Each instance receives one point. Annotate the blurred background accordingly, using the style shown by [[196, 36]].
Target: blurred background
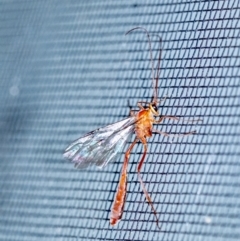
[[66, 68]]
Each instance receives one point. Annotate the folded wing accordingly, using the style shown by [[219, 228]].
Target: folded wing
[[101, 146]]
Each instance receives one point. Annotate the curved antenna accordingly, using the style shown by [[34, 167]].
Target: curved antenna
[[154, 83], [157, 72]]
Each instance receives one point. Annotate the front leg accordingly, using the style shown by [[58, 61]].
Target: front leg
[[165, 117]]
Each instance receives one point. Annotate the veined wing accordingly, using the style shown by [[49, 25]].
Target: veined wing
[[101, 146]]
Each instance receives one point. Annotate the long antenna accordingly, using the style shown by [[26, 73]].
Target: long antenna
[[158, 69], [154, 83]]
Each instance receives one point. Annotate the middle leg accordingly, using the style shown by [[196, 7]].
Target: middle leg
[[176, 135]]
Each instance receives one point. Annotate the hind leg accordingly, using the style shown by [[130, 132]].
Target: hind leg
[[142, 183]]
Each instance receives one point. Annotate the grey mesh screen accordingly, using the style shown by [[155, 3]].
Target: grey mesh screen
[[66, 68]]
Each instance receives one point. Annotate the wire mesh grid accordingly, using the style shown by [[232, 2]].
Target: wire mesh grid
[[67, 68]]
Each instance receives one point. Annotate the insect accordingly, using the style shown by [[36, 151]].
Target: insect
[[101, 146]]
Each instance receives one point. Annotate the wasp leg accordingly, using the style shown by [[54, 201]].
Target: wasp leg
[[142, 184], [139, 104], [191, 121], [141, 101], [119, 200], [170, 117], [166, 117], [176, 135]]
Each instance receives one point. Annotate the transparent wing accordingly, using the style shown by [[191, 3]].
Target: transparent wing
[[101, 146]]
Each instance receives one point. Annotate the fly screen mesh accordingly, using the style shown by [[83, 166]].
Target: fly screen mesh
[[67, 68]]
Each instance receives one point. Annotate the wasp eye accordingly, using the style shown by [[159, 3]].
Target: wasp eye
[[155, 108]]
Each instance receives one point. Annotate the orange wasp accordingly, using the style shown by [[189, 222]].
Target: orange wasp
[[101, 146]]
